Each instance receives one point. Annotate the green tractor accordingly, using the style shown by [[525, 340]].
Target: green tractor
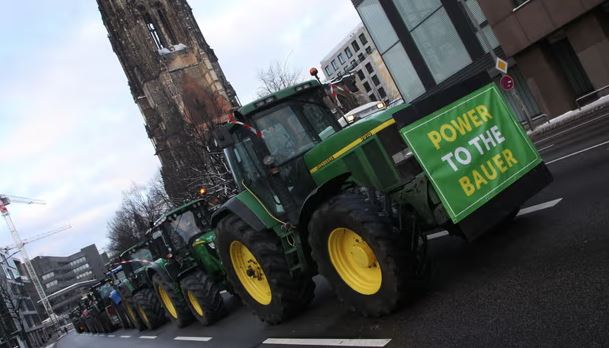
[[353, 204], [137, 291], [189, 278]]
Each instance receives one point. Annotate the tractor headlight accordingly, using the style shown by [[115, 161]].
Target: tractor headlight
[[350, 118]]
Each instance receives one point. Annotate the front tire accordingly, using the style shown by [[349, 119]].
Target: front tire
[[173, 301], [258, 271], [203, 298], [149, 308], [361, 254]]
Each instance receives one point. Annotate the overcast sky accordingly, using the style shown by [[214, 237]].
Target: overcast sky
[[70, 132]]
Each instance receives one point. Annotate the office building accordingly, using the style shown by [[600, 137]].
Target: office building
[[430, 45], [561, 47], [356, 54], [20, 323], [65, 278]]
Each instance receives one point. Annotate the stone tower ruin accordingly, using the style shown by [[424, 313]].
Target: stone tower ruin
[[179, 87]]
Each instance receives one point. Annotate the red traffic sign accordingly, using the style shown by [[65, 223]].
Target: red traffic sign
[[507, 82]]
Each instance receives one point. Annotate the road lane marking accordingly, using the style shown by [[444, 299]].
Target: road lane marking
[[577, 152], [111, 336], [328, 342], [538, 207], [437, 235], [125, 336], [196, 339], [148, 337], [523, 211], [545, 148], [570, 129]]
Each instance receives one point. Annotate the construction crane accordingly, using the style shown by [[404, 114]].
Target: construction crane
[[19, 243], [34, 238]]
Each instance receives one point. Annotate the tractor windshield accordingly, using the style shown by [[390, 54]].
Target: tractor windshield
[[139, 258], [186, 227], [292, 128]]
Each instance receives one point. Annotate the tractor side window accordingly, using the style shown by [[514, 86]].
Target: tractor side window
[[320, 119]]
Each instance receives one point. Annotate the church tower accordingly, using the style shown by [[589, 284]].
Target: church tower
[[178, 85]]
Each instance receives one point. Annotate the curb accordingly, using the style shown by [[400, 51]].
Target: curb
[[568, 118]]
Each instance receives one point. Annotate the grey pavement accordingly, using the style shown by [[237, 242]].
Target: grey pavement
[[541, 281]]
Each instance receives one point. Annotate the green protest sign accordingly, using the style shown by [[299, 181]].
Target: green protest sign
[[471, 150]]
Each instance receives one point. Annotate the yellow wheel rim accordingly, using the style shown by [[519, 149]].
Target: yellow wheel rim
[[144, 316], [250, 273], [196, 305], [167, 302], [130, 313], [354, 261]]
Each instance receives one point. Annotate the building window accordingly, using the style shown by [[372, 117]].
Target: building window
[[435, 36], [369, 50], [369, 68], [361, 75], [486, 32], [355, 46], [375, 80], [353, 64], [362, 39], [327, 70], [334, 65], [155, 34], [51, 284], [78, 261], [348, 52], [87, 274], [393, 53], [367, 87], [341, 58], [372, 97], [361, 57], [382, 92], [48, 276]]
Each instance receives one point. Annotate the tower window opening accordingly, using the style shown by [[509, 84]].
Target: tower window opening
[[155, 35]]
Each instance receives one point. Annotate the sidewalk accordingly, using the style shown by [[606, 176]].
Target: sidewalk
[[599, 106]]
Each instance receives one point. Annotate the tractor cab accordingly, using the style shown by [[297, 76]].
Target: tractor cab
[[267, 141], [135, 260], [184, 235]]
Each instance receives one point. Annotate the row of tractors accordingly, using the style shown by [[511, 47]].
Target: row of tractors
[[352, 204]]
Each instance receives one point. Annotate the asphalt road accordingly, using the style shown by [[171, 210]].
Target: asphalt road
[[541, 281]]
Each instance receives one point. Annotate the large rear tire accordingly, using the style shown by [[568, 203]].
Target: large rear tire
[[134, 317], [149, 308], [361, 254], [172, 300], [258, 271], [203, 298]]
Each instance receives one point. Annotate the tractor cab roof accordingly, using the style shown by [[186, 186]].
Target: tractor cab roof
[[179, 210], [135, 247], [275, 98]]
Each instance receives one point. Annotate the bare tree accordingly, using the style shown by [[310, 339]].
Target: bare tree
[[277, 76], [140, 208]]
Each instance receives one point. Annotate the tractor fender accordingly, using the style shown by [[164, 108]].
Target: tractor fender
[[319, 195], [235, 206]]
